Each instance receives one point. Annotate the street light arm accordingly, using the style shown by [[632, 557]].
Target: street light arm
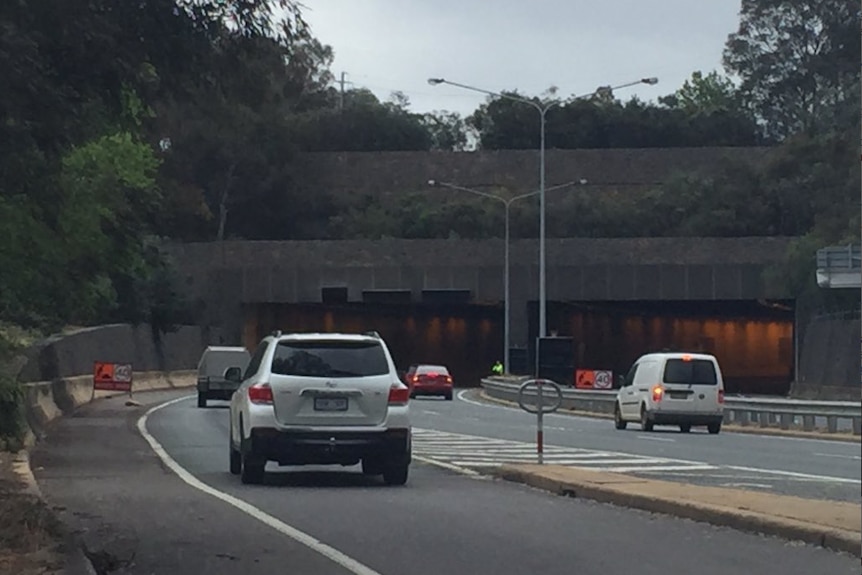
[[435, 183], [648, 81], [536, 192], [540, 107]]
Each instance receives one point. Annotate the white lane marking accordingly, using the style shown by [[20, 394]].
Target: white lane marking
[[742, 484], [795, 474], [334, 555], [651, 438], [853, 457], [429, 412]]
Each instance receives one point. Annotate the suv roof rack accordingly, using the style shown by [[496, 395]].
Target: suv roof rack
[[372, 333], [276, 333]]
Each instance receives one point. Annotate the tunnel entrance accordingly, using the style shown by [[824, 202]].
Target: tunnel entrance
[[466, 338], [753, 340]]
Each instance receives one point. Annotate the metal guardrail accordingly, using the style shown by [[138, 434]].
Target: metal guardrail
[[765, 412], [840, 258]]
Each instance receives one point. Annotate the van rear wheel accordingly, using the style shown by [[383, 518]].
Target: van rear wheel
[[685, 427], [714, 428], [619, 422], [646, 424]]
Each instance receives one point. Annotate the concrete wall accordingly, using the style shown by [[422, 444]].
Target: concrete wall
[[73, 354], [829, 360], [221, 276]]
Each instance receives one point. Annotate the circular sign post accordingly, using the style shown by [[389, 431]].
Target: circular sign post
[[537, 387]]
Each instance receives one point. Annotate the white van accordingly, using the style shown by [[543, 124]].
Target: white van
[[683, 389], [220, 372]]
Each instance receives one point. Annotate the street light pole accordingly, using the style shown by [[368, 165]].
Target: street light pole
[[507, 203], [543, 110]]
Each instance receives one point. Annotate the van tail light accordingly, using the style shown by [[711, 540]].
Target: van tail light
[[399, 395], [720, 396], [260, 394], [657, 393]]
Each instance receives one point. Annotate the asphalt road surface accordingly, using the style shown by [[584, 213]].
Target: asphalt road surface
[[477, 434], [182, 512]]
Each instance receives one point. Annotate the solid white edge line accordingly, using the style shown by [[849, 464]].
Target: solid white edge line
[[334, 555]]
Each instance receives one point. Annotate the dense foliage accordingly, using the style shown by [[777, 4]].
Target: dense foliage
[[128, 123]]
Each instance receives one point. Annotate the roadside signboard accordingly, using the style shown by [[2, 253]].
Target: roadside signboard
[[594, 379], [112, 376]]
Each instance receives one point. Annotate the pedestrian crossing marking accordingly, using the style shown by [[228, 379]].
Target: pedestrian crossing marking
[[470, 451]]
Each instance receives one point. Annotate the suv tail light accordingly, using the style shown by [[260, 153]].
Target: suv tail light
[[448, 379], [399, 395], [720, 396], [657, 393], [260, 394]]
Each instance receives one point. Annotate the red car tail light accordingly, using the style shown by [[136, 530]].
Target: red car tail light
[[260, 394]]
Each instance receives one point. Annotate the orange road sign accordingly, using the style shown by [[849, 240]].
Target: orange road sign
[[112, 376]]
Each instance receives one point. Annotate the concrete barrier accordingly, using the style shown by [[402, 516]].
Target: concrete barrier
[[45, 401]]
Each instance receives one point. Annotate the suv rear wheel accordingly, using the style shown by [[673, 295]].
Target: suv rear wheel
[[395, 473]]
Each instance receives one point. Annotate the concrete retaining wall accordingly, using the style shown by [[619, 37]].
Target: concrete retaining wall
[[73, 354], [829, 360], [57, 373]]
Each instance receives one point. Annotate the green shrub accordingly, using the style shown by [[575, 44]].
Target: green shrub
[[11, 413]]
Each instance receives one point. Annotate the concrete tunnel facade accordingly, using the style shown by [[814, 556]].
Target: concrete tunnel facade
[[446, 296]]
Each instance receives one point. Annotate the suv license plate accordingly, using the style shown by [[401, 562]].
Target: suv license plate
[[330, 404]]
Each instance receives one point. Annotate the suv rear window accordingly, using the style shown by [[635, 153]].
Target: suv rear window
[[693, 372], [329, 359]]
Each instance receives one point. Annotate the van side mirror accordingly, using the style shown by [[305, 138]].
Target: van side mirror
[[233, 374], [621, 381]]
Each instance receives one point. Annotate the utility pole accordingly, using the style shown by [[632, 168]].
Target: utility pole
[[341, 83]]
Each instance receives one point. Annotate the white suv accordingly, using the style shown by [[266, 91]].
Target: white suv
[[321, 399], [683, 389]]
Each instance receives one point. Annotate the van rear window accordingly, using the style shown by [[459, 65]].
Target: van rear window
[[333, 358], [691, 372]]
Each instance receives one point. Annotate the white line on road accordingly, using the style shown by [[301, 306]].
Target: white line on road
[[336, 556], [651, 438], [756, 485], [853, 457], [795, 474]]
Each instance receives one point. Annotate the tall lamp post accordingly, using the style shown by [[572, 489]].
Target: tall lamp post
[[542, 108], [507, 203]]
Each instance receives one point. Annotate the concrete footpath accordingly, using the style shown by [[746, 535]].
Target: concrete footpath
[[832, 524]]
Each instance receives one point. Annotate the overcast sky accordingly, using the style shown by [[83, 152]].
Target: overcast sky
[[528, 45]]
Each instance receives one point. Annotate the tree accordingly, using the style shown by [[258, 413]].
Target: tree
[[705, 95], [363, 124], [447, 129], [798, 61]]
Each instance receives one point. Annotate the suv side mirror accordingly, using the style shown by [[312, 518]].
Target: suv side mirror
[[233, 374]]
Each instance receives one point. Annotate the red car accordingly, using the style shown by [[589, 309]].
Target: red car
[[429, 380]]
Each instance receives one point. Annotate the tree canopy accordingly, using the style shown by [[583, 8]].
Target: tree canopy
[[127, 124]]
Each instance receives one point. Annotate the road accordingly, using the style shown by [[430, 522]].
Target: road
[[785, 465], [195, 517]]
